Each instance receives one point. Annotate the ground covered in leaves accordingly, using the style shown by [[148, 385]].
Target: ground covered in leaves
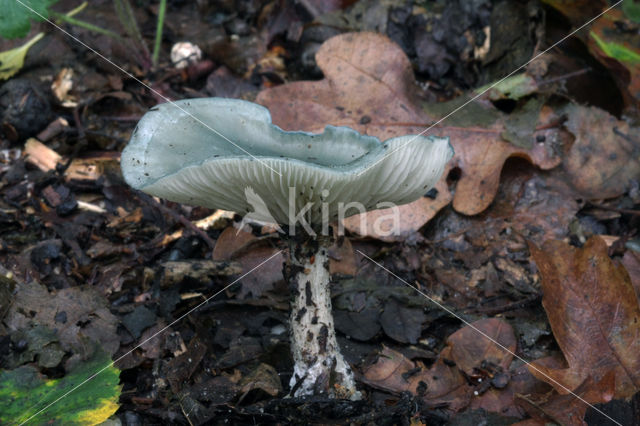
[[529, 239]]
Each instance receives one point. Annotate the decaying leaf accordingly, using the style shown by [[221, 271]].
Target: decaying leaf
[[567, 409], [263, 377], [401, 323], [594, 315], [24, 392], [470, 349], [619, 51], [342, 260], [631, 261], [76, 313], [249, 251], [468, 354], [439, 385], [369, 86], [605, 156]]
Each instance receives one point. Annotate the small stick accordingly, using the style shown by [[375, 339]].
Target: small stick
[[186, 222]]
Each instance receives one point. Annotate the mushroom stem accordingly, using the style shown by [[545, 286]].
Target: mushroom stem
[[319, 367]]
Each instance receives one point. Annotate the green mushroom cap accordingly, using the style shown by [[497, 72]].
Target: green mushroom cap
[[226, 154]]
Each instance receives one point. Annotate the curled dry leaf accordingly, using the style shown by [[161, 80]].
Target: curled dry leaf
[[369, 86], [439, 385], [444, 383], [594, 315]]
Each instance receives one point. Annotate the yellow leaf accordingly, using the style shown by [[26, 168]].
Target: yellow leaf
[[12, 60]]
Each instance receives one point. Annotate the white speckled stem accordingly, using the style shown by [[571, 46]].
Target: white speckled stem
[[319, 366]]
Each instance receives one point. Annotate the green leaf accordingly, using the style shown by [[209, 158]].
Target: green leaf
[[12, 60], [616, 51], [631, 9], [16, 16], [514, 87], [23, 392]]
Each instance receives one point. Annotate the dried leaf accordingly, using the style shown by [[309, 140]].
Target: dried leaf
[[249, 251], [264, 377], [342, 259], [631, 261], [439, 385], [85, 315], [605, 156], [369, 86], [402, 323], [470, 349], [567, 409], [594, 315], [468, 352]]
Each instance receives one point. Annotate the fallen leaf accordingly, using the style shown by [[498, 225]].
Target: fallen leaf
[[41, 155], [504, 400], [180, 368], [618, 50], [594, 315], [401, 323], [85, 315], [567, 409], [578, 11], [11, 61], [249, 251], [631, 261], [470, 349], [369, 86], [438, 385], [41, 342], [24, 392], [605, 156], [263, 377], [362, 325], [342, 259]]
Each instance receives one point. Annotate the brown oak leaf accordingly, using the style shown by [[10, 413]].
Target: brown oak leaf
[[594, 315], [369, 86]]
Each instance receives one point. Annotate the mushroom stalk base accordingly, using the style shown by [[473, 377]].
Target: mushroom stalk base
[[319, 367]]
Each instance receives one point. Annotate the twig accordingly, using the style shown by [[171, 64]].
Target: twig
[[495, 310], [186, 222], [613, 209]]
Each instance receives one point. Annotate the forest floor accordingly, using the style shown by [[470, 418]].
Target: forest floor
[[529, 241]]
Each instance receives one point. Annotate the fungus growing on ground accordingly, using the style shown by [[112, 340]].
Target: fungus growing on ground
[[226, 154]]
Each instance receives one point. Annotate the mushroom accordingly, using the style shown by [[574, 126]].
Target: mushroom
[[226, 154]]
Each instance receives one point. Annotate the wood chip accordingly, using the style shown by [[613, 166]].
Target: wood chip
[[176, 271], [41, 155], [219, 217]]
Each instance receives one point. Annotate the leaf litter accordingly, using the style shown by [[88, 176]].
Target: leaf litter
[[531, 166]]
